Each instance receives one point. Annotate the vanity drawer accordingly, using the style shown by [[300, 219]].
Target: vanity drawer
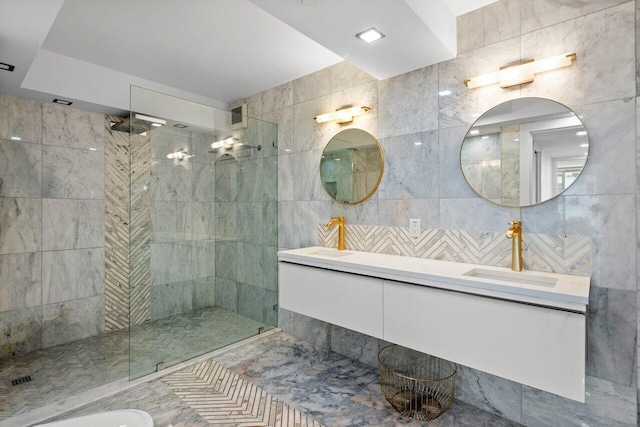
[[537, 346], [348, 300]]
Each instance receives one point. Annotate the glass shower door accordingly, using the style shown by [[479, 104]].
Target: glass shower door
[[203, 230]]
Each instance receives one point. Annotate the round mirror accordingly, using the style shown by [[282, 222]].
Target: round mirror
[[351, 166], [524, 152]]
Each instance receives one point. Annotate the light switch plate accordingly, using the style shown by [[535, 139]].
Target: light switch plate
[[414, 227]]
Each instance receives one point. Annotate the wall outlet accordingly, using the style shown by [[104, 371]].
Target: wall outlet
[[414, 227]]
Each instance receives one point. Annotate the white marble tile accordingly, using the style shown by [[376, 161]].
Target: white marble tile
[[226, 261], [493, 394], [605, 66], [306, 328], [71, 127], [20, 225], [365, 213], [277, 98], [251, 180], [411, 167], [469, 29], [500, 21], [270, 177], [607, 404], [226, 220], [227, 179], [72, 320], [170, 299], [251, 222], [70, 275], [165, 140], [270, 223], [307, 216], [20, 169], [204, 293], [20, 281], [203, 221], [71, 173], [171, 221], [612, 147], [345, 75], [204, 178], [611, 335], [307, 184], [408, 103], [227, 294], [20, 331], [462, 107], [285, 177], [613, 257], [307, 134], [285, 225], [354, 345], [545, 218], [257, 303], [254, 105], [312, 86], [171, 180], [21, 118], [72, 224], [537, 14], [170, 262], [283, 118], [475, 214], [203, 259], [362, 95], [452, 182], [396, 213]]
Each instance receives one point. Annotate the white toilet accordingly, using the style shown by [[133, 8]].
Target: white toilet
[[119, 418]]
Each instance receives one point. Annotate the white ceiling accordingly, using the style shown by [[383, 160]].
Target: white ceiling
[[209, 51]]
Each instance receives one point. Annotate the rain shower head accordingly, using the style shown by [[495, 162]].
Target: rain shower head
[[132, 126]]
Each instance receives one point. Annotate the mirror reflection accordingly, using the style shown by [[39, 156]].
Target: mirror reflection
[[351, 166], [524, 152]]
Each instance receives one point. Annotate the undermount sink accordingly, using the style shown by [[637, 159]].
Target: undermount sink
[[328, 252], [512, 277]]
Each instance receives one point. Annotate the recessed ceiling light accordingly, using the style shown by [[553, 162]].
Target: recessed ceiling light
[[178, 125], [93, 149], [476, 115], [485, 137], [150, 119], [156, 125], [581, 133], [16, 138], [7, 67], [370, 35], [586, 154], [474, 132], [584, 145], [444, 93], [516, 140], [62, 101], [288, 150], [417, 143]]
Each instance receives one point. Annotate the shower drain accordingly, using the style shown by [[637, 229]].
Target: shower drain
[[21, 380]]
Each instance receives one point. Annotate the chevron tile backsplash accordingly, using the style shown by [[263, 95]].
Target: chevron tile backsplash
[[540, 252]]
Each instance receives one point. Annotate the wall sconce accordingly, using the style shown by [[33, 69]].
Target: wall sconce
[[344, 115], [227, 142], [180, 155], [520, 73]]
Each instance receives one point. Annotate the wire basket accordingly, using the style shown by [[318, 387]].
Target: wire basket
[[417, 385]]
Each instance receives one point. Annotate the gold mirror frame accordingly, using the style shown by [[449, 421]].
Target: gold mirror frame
[[467, 134], [381, 174]]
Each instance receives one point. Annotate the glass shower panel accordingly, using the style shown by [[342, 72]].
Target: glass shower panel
[[203, 230]]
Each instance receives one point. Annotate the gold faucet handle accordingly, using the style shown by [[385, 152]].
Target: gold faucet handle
[[516, 224], [337, 218]]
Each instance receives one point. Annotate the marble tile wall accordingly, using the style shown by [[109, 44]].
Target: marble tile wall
[[424, 181], [52, 215]]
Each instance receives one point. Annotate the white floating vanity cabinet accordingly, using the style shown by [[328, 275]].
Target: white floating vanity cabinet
[[538, 345]]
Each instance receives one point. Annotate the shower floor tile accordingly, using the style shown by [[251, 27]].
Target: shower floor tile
[[70, 369], [328, 387]]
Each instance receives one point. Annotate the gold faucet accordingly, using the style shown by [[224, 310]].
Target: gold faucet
[[515, 234], [339, 221]]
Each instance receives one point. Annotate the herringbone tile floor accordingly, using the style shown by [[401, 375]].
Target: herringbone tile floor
[[70, 369], [323, 387]]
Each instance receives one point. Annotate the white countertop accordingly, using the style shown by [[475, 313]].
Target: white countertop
[[563, 291]]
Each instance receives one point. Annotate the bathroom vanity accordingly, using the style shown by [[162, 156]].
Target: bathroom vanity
[[529, 327]]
